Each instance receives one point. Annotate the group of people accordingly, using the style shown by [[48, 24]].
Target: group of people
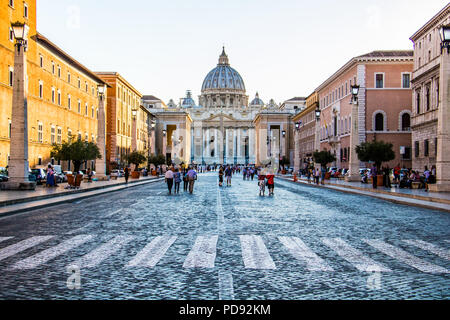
[[265, 178], [174, 177], [402, 177], [51, 177]]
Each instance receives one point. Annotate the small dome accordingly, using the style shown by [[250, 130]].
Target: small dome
[[223, 76], [257, 101], [188, 102]]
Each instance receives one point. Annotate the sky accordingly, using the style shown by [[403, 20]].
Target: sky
[[282, 49]]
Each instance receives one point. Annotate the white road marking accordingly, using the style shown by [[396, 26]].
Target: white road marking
[[405, 257], [153, 252], [51, 253], [300, 251], [441, 252], [112, 213], [226, 289], [5, 238], [95, 257], [255, 254], [22, 246], [79, 230], [219, 210], [203, 253], [354, 256]]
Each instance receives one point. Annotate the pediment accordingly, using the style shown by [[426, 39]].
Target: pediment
[[217, 117]]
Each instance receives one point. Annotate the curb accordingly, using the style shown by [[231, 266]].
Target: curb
[[373, 195], [409, 196], [25, 206], [67, 193]]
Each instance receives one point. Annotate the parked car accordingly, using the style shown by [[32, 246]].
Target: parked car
[[116, 173], [3, 177], [40, 175]]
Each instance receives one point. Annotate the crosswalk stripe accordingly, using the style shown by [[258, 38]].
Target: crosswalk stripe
[[51, 253], [226, 288], [255, 254], [301, 252], [405, 257], [5, 238], [354, 256], [203, 253], [153, 252], [434, 249], [22, 246], [95, 257]]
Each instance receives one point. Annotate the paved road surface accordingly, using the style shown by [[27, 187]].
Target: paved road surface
[[227, 243]]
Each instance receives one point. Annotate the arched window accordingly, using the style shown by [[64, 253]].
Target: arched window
[[406, 122], [379, 122]]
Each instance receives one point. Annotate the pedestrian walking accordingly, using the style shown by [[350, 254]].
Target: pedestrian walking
[[185, 180], [127, 174], [177, 180], [169, 179], [270, 183], [374, 173], [51, 181], [89, 174], [228, 174], [317, 176], [324, 174], [221, 176], [192, 177]]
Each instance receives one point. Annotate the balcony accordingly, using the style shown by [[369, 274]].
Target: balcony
[[424, 118]]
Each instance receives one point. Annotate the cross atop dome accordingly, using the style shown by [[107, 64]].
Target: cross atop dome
[[223, 59]]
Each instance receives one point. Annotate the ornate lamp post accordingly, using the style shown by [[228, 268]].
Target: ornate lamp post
[[354, 174], [100, 164], [443, 129], [18, 167]]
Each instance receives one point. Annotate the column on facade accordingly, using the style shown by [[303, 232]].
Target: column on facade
[[443, 128], [239, 146], [216, 144]]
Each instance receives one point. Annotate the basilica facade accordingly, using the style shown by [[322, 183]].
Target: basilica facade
[[220, 129]]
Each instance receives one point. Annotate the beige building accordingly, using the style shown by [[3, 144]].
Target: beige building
[[122, 99], [62, 93], [305, 133], [430, 132]]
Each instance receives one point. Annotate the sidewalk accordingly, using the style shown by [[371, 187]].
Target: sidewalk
[[421, 198], [20, 201]]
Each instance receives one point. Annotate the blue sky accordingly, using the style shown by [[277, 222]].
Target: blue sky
[[282, 48]]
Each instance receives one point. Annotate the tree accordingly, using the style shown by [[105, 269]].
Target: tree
[[76, 151], [376, 151], [136, 158], [324, 158], [157, 160]]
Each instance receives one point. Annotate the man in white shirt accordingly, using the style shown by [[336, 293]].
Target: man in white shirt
[[169, 179]]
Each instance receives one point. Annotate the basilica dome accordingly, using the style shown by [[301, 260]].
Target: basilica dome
[[223, 77]]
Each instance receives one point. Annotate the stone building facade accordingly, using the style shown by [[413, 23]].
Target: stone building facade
[[62, 93], [305, 133], [426, 88], [122, 99], [384, 105]]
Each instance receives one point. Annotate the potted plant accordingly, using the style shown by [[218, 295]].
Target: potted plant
[[77, 151], [137, 158], [376, 152]]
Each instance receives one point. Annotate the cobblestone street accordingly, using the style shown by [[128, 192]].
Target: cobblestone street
[[227, 243]]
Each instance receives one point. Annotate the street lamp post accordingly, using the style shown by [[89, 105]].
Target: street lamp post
[[318, 113], [354, 174], [18, 167], [443, 127], [134, 112], [100, 164]]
